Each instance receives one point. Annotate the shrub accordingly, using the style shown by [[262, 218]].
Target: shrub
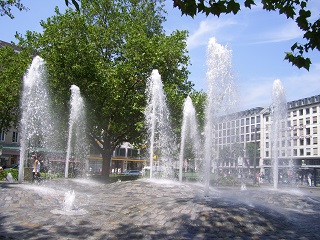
[[14, 174]]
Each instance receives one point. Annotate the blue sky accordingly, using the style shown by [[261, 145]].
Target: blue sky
[[258, 40]]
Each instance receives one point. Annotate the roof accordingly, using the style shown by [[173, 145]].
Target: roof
[[6, 44]]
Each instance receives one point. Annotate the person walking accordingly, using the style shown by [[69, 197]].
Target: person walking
[[36, 170], [309, 179]]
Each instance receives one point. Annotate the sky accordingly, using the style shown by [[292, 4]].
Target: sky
[[258, 40]]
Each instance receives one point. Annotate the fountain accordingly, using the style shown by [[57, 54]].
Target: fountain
[[77, 144], [38, 131], [162, 142], [189, 134], [279, 120], [68, 207], [221, 99], [37, 125]]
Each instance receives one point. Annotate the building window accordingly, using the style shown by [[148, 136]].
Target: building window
[[315, 140], [307, 110], [308, 131], [301, 112], [301, 141], [315, 151], [314, 119], [294, 113], [247, 121], [307, 121], [120, 152], [253, 120], [315, 130], [267, 144], [308, 141], [308, 152], [301, 152], [295, 122], [301, 122], [314, 109], [14, 137], [295, 152], [247, 137], [258, 119], [267, 153]]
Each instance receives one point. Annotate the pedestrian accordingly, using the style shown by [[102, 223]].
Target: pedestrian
[[301, 178], [36, 170], [310, 179]]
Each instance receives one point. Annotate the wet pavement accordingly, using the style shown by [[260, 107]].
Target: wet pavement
[[145, 209]]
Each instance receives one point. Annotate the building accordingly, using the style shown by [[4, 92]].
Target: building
[[9, 148], [245, 136], [124, 157]]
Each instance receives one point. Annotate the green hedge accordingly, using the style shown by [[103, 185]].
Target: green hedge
[[14, 173]]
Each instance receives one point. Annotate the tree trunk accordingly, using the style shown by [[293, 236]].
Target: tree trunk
[[106, 164]]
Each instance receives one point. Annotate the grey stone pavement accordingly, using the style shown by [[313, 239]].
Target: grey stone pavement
[[150, 209]]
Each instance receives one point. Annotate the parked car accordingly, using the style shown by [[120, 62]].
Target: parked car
[[132, 172]]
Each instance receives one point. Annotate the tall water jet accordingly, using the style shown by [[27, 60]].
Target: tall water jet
[[77, 143], [157, 117], [37, 126], [278, 126], [189, 134], [221, 99]]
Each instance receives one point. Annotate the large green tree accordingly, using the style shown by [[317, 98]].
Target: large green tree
[[108, 49], [12, 67]]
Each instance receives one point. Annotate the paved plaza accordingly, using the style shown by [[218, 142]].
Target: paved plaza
[[150, 209]]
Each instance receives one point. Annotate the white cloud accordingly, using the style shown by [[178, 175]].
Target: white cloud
[[206, 29], [303, 85], [256, 94], [284, 32], [300, 84]]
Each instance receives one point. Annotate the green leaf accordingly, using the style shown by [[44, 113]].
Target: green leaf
[[248, 3]]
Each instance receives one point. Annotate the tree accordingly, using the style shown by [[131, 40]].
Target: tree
[[109, 50], [199, 101], [12, 67], [297, 10], [6, 5]]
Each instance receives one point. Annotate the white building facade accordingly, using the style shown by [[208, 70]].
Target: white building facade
[[297, 148]]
